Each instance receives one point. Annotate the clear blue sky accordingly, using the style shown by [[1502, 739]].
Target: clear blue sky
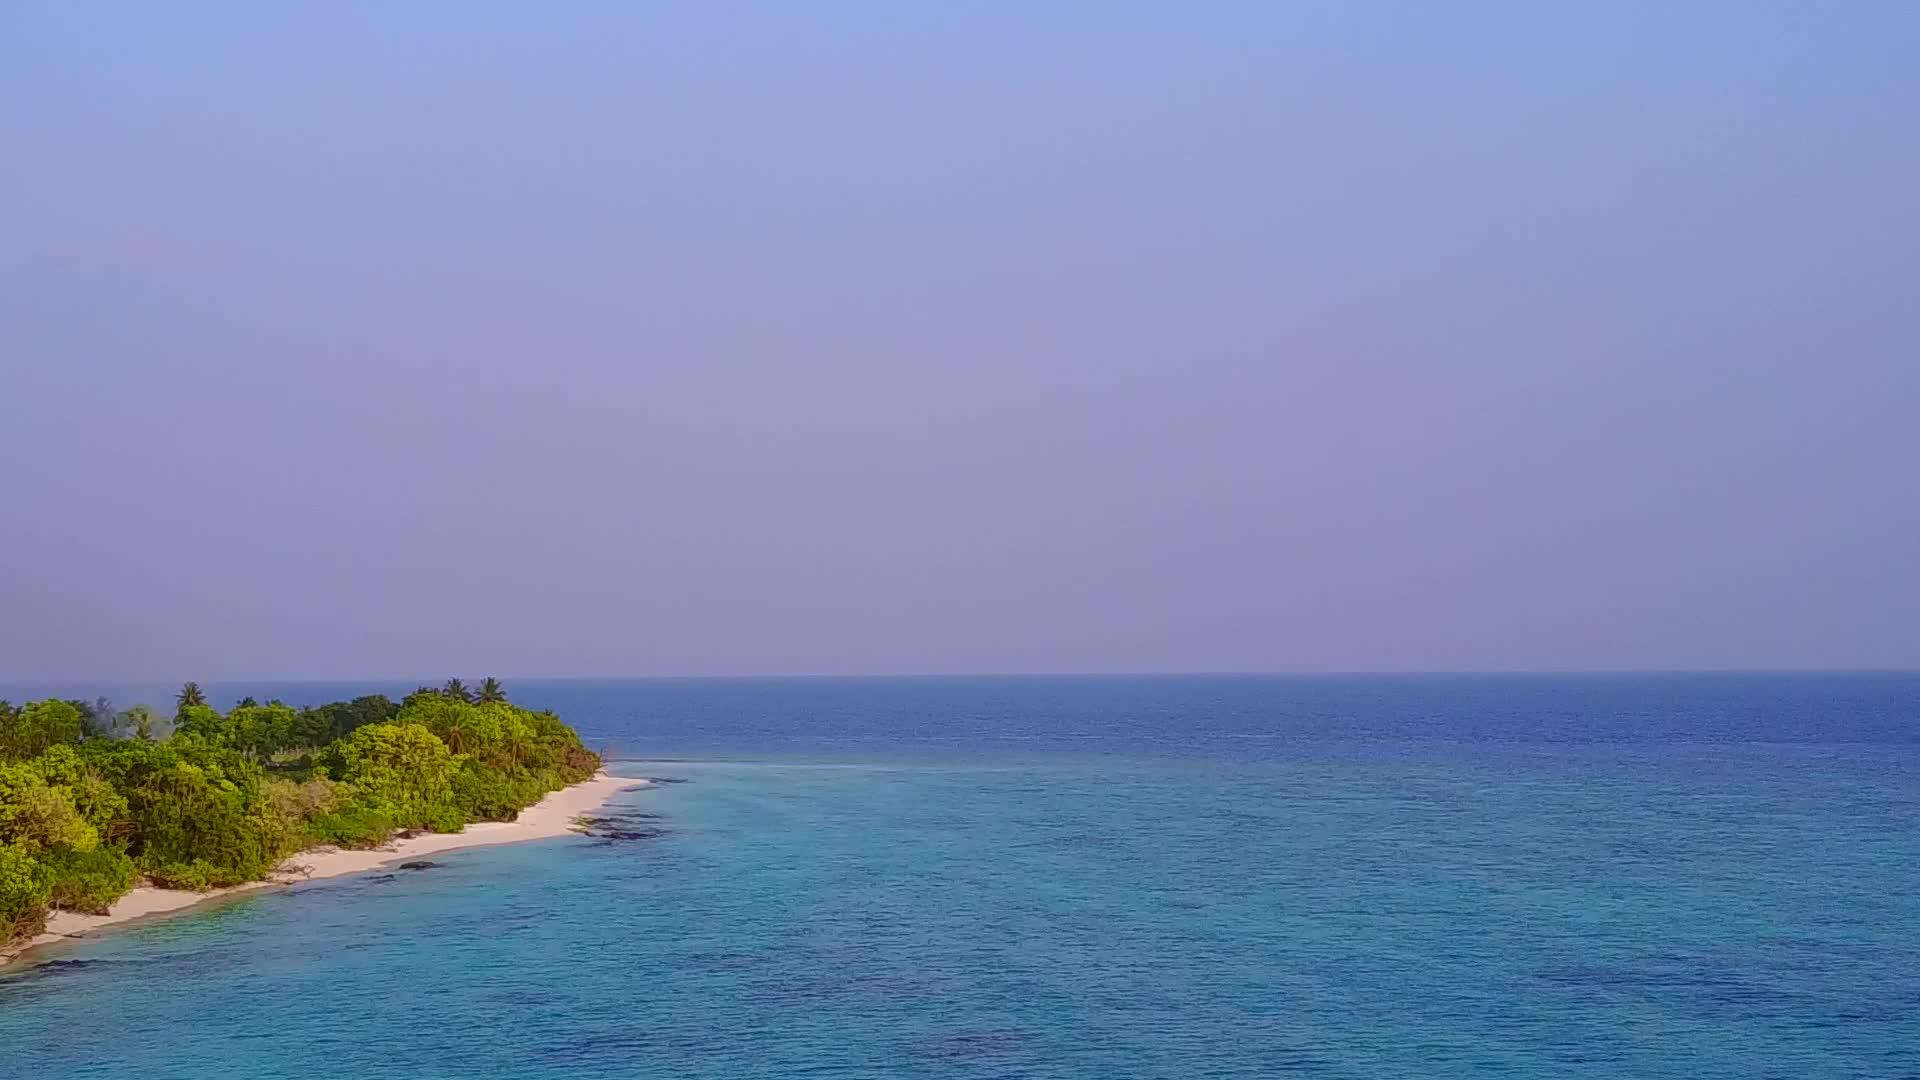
[[346, 340]]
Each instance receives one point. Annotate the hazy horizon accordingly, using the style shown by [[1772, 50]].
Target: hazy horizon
[[862, 339], [124, 691]]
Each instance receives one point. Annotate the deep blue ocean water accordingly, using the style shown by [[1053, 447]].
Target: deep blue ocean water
[[1449, 876]]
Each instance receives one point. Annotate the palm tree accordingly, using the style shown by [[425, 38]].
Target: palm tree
[[457, 690], [188, 697], [96, 717], [490, 691]]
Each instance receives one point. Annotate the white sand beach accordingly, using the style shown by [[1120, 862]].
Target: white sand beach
[[550, 817]]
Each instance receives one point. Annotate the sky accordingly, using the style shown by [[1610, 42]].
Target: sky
[[389, 340]]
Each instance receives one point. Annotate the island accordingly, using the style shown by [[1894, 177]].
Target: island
[[110, 815]]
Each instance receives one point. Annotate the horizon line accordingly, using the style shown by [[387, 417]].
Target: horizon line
[[929, 675]]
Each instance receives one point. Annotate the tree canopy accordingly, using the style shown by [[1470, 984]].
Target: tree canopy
[[92, 800], [189, 695]]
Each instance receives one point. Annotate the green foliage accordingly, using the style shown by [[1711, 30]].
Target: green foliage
[[88, 881], [355, 826], [60, 765], [39, 725], [137, 723], [317, 726], [50, 853], [486, 794], [190, 696], [400, 762], [99, 802], [401, 768], [361, 711], [25, 887], [444, 818], [196, 823], [88, 805], [300, 800], [311, 727], [261, 729], [202, 722], [451, 720], [37, 817]]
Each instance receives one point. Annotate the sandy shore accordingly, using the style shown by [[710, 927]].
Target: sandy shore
[[550, 817]]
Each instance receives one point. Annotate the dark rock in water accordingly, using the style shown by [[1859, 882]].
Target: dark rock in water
[[420, 864], [617, 827], [46, 969], [665, 779], [380, 877], [58, 967]]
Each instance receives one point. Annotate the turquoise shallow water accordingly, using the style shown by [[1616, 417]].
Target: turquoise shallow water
[[1034, 879]]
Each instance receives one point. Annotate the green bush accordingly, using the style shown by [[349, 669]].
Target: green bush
[[488, 794], [354, 826], [37, 726], [88, 881], [445, 819], [38, 817], [194, 825], [402, 767], [196, 876], [24, 889]]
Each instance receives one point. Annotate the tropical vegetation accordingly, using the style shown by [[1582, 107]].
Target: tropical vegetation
[[94, 800]]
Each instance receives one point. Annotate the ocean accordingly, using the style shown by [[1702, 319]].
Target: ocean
[[1631, 876]]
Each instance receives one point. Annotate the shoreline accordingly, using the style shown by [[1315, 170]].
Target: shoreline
[[552, 816]]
